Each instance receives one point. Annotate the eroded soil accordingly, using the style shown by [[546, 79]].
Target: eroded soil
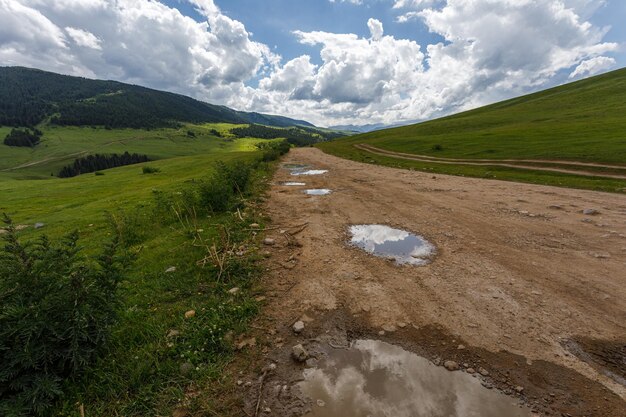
[[519, 271]]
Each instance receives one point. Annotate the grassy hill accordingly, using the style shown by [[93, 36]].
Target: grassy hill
[[582, 121], [30, 96]]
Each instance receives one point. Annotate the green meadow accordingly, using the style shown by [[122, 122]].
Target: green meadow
[[61, 145], [582, 121], [144, 369]]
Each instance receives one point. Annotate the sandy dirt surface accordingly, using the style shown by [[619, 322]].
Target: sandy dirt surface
[[520, 275]]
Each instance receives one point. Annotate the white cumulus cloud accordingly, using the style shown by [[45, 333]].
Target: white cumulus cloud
[[490, 50], [593, 66]]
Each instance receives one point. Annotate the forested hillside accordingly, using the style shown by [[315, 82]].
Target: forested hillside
[[29, 96]]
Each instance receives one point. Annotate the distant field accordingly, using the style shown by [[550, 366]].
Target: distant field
[[582, 121], [61, 145], [65, 204]]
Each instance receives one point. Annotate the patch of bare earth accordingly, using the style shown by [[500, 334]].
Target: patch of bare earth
[[520, 270]]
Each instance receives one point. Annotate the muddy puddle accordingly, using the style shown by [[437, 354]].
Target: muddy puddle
[[318, 191], [309, 172], [607, 357], [292, 183], [303, 169], [387, 242], [376, 379]]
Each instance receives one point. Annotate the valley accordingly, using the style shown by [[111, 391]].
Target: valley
[[258, 265]]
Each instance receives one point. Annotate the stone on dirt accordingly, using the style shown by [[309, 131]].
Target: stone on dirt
[[451, 365], [483, 371], [269, 241], [246, 342], [298, 326], [299, 353], [590, 212]]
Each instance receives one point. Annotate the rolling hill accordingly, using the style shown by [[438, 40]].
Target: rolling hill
[[556, 136], [30, 96]]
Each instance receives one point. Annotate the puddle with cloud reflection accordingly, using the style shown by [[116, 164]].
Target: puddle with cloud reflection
[[390, 243], [318, 191], [309, 172], [377, 379]]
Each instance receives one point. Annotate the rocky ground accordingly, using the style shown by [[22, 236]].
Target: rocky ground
[[527, 289]]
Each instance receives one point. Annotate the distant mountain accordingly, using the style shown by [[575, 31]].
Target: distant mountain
[[30, 96], [361, 128]]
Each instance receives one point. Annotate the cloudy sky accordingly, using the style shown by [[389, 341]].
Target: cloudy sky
[[327, 61]]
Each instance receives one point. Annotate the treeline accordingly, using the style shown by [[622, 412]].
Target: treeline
[[24, 138], [98, 162], [29, 96], [298, 136]]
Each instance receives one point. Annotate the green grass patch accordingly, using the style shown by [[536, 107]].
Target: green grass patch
[[60, 146], [165, 222]]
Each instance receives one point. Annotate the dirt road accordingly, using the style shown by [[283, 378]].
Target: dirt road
[[539, 165], [522, 279]]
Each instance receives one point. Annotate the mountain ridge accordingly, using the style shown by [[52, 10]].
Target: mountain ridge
[[29, 96]]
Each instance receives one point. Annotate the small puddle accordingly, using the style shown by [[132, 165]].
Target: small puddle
[[377, 379], [318, 191], [309, 172], [292, 183], [390, 243]]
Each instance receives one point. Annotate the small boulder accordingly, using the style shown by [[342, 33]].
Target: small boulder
[[269, 241], [234, 291], [299, 353], [451, 365], [590, 212], [254, 226], [389, 328], [39, 225], [519, 389], [470, 371], [298, 326], [170, 270], [483, 371], [189, 314]]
